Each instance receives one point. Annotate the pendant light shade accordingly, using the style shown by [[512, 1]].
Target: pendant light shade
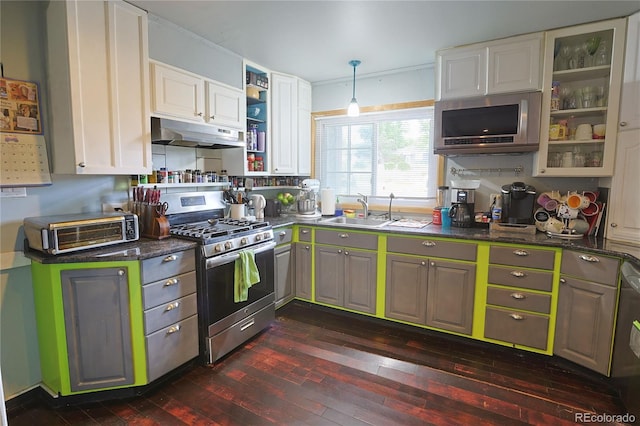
[[354, 109]]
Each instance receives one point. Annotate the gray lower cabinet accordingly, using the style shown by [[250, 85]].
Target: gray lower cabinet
[[406, 288], [519, 295], [96, 317], [450, 295], [436, 293], [303, 260], [346, 277], [170, 311], [586, 309], [283, 268]]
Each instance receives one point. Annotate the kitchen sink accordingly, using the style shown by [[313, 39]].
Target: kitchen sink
[[356, 221]]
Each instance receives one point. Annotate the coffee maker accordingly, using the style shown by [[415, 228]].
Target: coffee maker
[[518, 200], [462, 209]]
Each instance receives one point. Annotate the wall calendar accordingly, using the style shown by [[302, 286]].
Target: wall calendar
[[23, 151]]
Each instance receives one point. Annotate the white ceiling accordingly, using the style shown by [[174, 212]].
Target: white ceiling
[[315, 40]]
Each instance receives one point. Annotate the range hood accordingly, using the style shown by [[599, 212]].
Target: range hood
[[165, 131]]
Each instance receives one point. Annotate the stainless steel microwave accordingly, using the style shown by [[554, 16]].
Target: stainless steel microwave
[[67, 233], [489, 124]]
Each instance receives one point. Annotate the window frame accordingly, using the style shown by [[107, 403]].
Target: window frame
[[409, 206]]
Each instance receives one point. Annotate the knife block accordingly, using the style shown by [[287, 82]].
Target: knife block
[[158, 229]]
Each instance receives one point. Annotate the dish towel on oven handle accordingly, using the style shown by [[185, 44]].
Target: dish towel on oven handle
[[245, 275]]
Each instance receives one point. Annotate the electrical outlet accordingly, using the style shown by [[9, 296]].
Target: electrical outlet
[[114, 207]]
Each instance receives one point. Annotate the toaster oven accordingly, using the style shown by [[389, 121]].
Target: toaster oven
[[67, 233]]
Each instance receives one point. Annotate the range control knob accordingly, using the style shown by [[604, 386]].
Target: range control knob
[[218, 248], [259, 237], [266, 235], [244, 241], [228, 245]]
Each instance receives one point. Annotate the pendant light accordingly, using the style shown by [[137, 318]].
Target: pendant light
[[354, 109]]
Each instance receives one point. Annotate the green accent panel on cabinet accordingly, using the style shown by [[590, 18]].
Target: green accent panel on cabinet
[[50, 318]]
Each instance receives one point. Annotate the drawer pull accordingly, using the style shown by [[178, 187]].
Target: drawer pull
[[429, 243], [516, 317], [563, 281], [346, 253], [247, 325], [173, 329], [344, 235], [172, 306], [518, 296], [518, 274], [283, 234], [423, 263], [588, 258], [520, 253], [170, 258], [304, 231], [172, 281], [307, 247]]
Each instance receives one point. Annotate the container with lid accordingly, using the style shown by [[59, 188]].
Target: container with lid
[[442, 196]]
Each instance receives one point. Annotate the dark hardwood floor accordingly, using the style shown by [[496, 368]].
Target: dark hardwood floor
[[315, 366]]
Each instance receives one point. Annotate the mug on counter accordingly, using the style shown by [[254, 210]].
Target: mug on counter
[[577, 201], [541, 217]]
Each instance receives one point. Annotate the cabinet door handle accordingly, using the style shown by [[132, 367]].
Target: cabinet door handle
[[520, 253], [423, 263], [172, 281], [172, 306], [173, 329], [339, 251], [518, 274], [306, 247], [213, 117], [429, 243], [121, 272], [591, 259], [623, 123], [199, 114], [563, 281], [614, 225], [344, 235], [516, 317], [83, 164], [518, 296], [170, 258], [346, 253]]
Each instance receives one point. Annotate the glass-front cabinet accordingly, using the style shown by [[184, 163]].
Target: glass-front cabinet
[[582, 75], [257, 89]]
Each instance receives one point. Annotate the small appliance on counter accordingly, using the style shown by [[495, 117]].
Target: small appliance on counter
[[518, 200], [462, 212], [68, 233], [273, 208], [307, 202]]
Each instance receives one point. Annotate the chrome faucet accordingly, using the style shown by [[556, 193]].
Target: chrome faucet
[[365, 206], [391, 197]]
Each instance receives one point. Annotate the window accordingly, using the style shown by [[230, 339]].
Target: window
[[378, 154]]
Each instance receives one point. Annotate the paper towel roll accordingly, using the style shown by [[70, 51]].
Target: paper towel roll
[[328, 200]]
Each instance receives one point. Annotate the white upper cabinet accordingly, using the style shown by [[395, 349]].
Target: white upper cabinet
[[624, 204], [584, 66], [461, 72], [177, 93], [98, 82], [304, 128], [284, 124], [499, 66], [630, 104], [291, 125], [226, 105]]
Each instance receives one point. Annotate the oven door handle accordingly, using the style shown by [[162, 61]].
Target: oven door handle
[[231, 257]]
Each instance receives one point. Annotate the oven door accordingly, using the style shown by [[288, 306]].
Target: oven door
[[219, 285]]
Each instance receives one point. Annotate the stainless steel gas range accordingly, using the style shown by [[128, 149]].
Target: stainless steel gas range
[[223, 323]]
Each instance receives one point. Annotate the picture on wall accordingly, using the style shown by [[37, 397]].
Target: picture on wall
[[19, 107]]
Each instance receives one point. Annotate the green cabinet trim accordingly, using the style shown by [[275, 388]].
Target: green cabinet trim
[[52, 336]]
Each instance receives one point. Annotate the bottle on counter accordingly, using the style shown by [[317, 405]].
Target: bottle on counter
[[496, 209]]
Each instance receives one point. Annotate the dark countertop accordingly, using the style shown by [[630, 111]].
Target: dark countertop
[[146, 248], [481, 233]]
